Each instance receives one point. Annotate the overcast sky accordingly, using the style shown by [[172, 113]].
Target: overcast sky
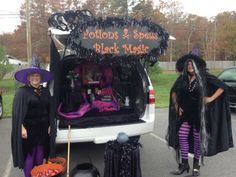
[[207, 8], [9, 22]]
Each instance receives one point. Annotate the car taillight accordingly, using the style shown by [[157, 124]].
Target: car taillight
[[151, 97]]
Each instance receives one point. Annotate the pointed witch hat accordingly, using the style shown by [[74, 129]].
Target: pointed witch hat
[[201, 64], [22, 75]]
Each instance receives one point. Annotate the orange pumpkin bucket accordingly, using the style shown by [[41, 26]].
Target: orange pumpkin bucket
[[46, 170], [58, 160]]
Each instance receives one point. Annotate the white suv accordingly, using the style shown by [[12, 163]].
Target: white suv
[[131, 88]]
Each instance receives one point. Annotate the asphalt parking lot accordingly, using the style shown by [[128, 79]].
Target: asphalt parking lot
[[156, 159]]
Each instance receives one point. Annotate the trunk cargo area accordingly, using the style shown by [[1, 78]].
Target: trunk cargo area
[[81, 83]]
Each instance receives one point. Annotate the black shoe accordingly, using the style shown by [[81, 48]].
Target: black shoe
[[196, 172], [182, 168], [196, 168]]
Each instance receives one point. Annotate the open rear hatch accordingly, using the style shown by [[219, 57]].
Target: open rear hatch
[[98, 66], [79, 80]]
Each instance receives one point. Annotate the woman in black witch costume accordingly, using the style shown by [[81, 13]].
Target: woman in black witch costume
[[199, 114], [31, 126]]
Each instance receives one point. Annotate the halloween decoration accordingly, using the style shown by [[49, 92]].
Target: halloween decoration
[[22, 75], [46, 170], [122, 157], [122, 39], [85, 170], [58, 160]]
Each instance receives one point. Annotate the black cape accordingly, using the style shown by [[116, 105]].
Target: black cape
[[217, 117], [19, 111]]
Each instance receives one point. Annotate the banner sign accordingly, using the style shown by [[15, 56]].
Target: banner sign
[[112, 37], [119, 41]]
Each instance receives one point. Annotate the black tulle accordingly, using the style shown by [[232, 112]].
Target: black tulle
[[122, 160]]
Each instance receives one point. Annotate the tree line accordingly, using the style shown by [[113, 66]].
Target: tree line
[[214, 38]]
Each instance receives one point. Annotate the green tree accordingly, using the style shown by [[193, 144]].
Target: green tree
[[143, 9], [4, 64], [155, 69], [96, 7], [39, 14], [226, 36], [218, 34], [2, 53], [118, 8]]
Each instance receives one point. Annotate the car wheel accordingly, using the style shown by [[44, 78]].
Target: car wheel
[[1, 108]]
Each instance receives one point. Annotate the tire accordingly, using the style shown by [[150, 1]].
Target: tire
[[1, 108]]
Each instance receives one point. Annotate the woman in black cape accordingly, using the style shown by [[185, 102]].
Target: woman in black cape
[[32, 128], [199, 114]]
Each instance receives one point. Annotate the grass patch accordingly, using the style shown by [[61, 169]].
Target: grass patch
[[8, 86], [162, 84], [7, 104], [215, 72]]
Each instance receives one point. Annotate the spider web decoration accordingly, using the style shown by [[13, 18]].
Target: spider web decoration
[[113, 39]]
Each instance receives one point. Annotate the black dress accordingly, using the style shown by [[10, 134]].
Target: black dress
[[33, 111], [189, 98]]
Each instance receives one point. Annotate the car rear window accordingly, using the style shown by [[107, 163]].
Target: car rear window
[[228, 75]]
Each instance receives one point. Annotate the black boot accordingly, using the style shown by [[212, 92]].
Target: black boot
[[196, 167], [184, 166]]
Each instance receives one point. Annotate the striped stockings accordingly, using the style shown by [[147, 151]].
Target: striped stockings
[[183, 141]]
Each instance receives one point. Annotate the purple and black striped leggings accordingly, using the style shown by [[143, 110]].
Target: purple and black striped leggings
[[183, 141]]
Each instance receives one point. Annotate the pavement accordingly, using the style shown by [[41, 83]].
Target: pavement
[[157, 160]]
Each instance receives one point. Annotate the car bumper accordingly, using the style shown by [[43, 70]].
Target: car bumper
[[103, 134], [232, 101], [99, 135], [232, 105]]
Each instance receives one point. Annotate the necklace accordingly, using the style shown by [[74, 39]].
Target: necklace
[[192, 85], [37, 90]]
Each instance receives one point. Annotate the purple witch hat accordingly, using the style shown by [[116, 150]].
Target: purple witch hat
[[22, 75]]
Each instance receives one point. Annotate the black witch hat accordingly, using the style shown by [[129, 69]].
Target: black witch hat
[[201, 64]]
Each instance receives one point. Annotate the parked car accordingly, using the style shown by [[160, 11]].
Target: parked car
[[1, 105], [228, 76], [96, 51]]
